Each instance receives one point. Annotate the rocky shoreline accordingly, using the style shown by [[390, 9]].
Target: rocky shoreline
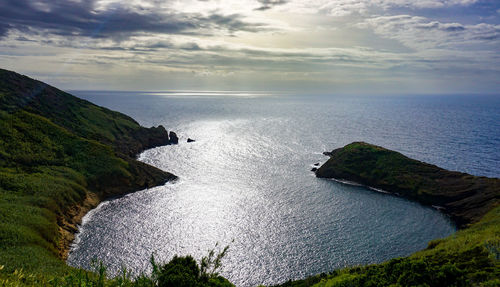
[[146, 176], [143, 176], [464, 197]]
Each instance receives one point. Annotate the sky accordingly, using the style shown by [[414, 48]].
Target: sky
[[324, 46]]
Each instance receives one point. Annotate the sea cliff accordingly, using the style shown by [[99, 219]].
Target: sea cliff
[[466, 198], [59, 157]]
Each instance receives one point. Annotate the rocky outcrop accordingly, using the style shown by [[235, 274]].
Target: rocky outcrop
[[466, 198], [78, 116], [141, 139], [173, 138]]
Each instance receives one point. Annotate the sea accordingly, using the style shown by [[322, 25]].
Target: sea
[[246, 180]]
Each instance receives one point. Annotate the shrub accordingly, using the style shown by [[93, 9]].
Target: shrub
[[186, 272]]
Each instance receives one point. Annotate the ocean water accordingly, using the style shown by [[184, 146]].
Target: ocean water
[[246, 180]]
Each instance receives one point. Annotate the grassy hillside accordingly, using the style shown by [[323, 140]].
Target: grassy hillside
[[463, 196], [59, 156], [80, 117]]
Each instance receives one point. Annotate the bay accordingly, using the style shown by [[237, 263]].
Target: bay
[[246, 180]]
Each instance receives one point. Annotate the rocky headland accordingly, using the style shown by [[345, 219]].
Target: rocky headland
[[466, 198], [60, 156]]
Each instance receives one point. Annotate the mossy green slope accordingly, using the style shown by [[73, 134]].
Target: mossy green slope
[[56, 152], [82, 118], [466, 198]]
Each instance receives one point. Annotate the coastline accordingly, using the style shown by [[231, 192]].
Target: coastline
[[468, 257], [463, 197], [70, 220], [67, 155]]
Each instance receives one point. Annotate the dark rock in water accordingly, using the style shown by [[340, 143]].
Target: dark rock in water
[[314, 169], [190, 140], [173, 138], [328, 153], [316, 164]]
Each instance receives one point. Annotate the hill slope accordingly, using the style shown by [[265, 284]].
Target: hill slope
[[60, 156], [465, 197]]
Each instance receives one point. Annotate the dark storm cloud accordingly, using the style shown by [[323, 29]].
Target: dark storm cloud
[[4, 29], [269, 4], [71, 18]]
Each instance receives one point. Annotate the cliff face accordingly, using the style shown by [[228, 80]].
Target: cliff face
[[466, 198], [59, 157], [80, 117]]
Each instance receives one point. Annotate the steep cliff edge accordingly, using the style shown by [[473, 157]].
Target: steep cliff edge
[[466, 198], [82, 118], [59, 157]]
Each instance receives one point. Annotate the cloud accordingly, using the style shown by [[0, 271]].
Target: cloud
[[338, 8], [83, 18], [4, 29], [421, 33], [345, 7], [319, 39], [246, 58], [269, 4], [428, 4], [231, 22], [435, 25]]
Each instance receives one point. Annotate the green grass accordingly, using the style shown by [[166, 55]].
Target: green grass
[[45, 169], [80, 117], [178, 272]]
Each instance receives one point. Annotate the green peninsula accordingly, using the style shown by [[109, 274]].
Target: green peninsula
[[59, 157], [466, 198]]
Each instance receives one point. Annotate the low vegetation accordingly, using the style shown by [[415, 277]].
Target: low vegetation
[[180, 271]]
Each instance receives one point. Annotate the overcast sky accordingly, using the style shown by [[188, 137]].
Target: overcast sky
[[336, 46]]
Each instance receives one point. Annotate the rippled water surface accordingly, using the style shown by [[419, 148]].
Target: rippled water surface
[[246, 181]]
